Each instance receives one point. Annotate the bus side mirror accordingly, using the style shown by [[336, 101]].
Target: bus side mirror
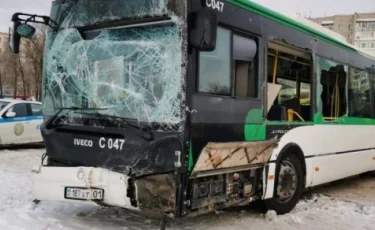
[[17, 31], [204, 30], [26, 31], [14, 38], [19, 28]]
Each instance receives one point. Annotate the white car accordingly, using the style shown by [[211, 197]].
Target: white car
[[20, 122]]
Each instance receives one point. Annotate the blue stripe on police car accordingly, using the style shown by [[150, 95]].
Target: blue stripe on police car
[[20, 119]]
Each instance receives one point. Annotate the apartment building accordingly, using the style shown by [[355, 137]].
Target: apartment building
[[357, 28]]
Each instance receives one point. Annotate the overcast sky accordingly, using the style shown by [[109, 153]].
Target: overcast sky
[[304, 7]]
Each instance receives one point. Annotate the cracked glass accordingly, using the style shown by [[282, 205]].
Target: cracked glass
[[77, 13], [133, 72]]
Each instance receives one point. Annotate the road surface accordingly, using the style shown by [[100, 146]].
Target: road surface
[[348, 204]]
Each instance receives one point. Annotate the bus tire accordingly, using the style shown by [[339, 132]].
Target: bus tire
[[288, 184]]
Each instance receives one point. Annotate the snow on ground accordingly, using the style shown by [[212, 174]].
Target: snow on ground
[[348, 204]]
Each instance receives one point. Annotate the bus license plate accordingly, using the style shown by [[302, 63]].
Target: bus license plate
[[83, 194]]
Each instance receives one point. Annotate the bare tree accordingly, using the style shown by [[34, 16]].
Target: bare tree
[[22, 73], [1, 84], [21, 66], [6, 71], [33, 51]]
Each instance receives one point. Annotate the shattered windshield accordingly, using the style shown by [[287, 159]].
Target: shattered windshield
[[134, 72], [76, 13]]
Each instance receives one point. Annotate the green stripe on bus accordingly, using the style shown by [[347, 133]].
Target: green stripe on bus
[[275, 16], [191, 160], [255, 127]]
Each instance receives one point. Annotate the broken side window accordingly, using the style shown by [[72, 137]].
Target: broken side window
[[332, 76], [289, 75]]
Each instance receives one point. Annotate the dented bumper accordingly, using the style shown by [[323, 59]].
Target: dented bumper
[[155, 193], [50, 184]]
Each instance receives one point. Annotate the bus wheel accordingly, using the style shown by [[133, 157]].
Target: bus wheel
[[288, 185]]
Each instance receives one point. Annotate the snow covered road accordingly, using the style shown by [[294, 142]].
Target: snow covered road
[[348, 204]]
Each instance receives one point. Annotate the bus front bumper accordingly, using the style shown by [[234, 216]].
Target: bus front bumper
[[82, 185]]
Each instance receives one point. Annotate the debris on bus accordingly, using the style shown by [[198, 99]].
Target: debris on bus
[[182, 107], [233, 154]]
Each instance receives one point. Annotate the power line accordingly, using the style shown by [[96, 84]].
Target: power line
[[40, 3]]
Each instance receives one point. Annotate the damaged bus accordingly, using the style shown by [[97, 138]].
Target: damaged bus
[[182, 107]]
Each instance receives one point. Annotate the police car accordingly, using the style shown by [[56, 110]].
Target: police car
[[20, 122]]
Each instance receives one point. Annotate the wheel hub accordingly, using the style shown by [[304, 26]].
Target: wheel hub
[[287, 182]]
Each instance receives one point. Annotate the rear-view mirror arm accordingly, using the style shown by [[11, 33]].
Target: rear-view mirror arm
[[40, 19]]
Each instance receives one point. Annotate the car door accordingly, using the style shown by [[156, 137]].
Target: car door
[[36, 120], [15, 129], [3, 108]]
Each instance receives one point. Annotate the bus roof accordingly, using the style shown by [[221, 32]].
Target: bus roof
[[301, 24]]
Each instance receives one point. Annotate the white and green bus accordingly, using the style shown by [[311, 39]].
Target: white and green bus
[[187, 106]]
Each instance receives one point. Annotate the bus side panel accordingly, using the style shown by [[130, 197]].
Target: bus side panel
[[315, 140], [339, 166], [320, 144], [309, 162]]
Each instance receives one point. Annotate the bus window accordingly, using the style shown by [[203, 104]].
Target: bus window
[[331, 101], [244, 66], [214, 67], [372, 90], [290, 69], [223, 73], [359, 94]]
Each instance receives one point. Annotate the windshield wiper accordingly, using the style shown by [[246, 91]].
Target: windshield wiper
[[146, 134], [73, 108]]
